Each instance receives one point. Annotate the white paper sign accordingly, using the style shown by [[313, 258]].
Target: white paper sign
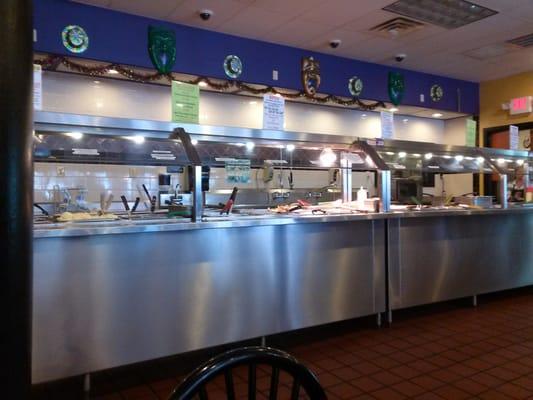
[[387, 125], [37, 87], [273, 112], [514, 137]]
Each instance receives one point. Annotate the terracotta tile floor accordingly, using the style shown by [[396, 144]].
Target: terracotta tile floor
[[447, 351]]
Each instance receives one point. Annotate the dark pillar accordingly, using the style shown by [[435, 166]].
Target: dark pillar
[[16, 193]]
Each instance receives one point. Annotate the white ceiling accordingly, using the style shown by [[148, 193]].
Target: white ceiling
[[311, 24]]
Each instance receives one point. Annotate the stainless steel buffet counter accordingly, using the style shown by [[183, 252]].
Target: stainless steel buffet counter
[[104, 300], [106, 296]]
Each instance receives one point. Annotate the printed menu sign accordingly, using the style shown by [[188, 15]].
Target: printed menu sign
[[273, 112], [238, 171], [37, 87], [185, 102], [387, 125], [471, 130], [514, 137]]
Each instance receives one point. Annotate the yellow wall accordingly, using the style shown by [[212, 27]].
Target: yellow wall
[[493, 93]]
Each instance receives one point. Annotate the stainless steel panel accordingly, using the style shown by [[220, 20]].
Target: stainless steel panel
[[440, 258], [102, 301], [333, 272]]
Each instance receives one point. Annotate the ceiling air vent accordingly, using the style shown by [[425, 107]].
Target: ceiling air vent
[[396, 27], [522, 41], [449, 14]]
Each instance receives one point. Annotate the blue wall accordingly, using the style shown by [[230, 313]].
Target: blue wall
[[122, 38]]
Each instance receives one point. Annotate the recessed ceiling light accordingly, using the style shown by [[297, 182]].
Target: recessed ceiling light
[[75, 135], [194, 142], [250, 146], [137, 139], [436, 115], [402, 154], [394, 109], [290, 147], [112, 71], [405, 120], [202, 84], [449, 14], [428, 156]]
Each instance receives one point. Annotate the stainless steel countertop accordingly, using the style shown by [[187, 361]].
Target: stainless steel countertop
[[125, 226]]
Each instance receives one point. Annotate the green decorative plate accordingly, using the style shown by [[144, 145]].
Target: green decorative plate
[[436, 93], [355, 86], [75, 39], [232, 66]]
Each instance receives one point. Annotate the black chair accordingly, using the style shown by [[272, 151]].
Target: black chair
[[222, 365]]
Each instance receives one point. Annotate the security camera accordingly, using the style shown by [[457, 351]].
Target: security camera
[[334, 43], [206, 14], [400, 57]]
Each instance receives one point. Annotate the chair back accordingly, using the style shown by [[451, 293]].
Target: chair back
[[303, 380]]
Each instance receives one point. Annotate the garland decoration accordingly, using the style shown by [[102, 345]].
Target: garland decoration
[[52, 62]]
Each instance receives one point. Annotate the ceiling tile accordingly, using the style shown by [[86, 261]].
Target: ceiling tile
[[188, 12], [290, 7], [153, 8], [246, 22], [349, 41], [336, 13], [298, 33]]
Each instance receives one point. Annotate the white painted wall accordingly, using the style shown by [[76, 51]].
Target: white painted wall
[[79, 94], [455, 131]]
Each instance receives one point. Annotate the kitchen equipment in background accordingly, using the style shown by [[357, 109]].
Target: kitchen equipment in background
[[164, 197], [205, 178], [164, 182], [477, 201], [406, 190]]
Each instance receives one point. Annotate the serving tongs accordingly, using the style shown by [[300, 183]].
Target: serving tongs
[[127, 206], [105, 202], [231, 201]]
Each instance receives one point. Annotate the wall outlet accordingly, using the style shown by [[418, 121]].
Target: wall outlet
[[275, 75], [422, 98], [60, 171]]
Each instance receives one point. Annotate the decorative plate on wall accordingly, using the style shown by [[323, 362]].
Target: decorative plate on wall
[[436, 93], [75, 39], [355, 86], [232, 66]]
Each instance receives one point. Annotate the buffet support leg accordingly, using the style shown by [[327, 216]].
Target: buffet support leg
[[378, 320], [87, 383], [389, 317], [474, 301], [263, 341]]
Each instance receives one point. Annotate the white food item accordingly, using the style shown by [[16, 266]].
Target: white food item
[[84, 216]]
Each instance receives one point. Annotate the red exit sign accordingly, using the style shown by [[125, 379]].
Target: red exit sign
[[520, 105]]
